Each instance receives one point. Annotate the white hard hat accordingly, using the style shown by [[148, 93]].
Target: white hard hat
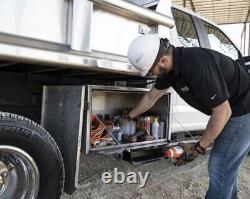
[[143, 51]]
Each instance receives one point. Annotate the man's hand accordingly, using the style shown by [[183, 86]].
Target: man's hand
[[145, 126], [189, 154], [125, 119]]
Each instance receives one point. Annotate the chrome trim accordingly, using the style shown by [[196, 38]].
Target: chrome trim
[[78, 155], [64, 59], [23, 179], [113, 88], [81, 25], [134, 10], [132, 145], [3, 174]]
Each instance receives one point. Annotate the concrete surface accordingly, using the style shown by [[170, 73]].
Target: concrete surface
[[165, 180]]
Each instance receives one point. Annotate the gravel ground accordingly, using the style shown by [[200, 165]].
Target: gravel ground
[[165, 180]]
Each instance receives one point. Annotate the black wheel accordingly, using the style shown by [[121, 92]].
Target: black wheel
[[31, 165]]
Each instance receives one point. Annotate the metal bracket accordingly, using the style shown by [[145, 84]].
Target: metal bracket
[[143, 29]]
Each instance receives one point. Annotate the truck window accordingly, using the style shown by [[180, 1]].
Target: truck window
[[219, 41], [185, 28]]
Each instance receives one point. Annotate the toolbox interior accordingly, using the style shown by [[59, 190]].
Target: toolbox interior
[[111, 103]]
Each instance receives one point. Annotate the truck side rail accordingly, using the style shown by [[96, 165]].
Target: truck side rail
[[137, 12]]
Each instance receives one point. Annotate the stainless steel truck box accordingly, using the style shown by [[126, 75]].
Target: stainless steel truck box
[[111, 100], [79, 103]]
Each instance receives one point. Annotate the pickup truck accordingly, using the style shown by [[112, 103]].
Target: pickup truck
[[62, 61]]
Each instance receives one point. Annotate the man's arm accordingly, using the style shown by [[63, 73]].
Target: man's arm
[[147, 102], [216, 123]]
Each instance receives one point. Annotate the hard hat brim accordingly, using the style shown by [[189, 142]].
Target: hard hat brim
[[144, 73]]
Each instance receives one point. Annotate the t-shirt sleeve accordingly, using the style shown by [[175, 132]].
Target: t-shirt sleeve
[[163, 82], [209, 85]]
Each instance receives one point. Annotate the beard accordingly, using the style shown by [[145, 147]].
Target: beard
[[163, 71]]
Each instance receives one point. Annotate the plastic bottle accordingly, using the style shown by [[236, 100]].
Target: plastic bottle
[[161, 130], [132, 127], [124, 123], [119, 136], [174, 152], [117, 131], [126, 129], [155, 128]]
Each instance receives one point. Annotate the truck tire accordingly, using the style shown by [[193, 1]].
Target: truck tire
[[31, 165]]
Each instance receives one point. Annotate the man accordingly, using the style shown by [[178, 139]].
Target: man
[[215, 85]]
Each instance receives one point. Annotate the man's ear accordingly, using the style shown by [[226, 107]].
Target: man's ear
[[163, 60]]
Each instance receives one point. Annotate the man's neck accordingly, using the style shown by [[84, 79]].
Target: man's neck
[[170, 62]]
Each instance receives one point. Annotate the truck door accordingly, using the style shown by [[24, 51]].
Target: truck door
[[219, 41], [188, 34]]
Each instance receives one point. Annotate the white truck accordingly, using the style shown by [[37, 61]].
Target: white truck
[[63, 61]]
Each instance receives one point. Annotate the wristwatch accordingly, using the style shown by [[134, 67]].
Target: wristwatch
[[198, 148]]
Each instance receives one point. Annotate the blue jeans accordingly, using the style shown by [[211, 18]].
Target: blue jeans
[[229, 150]]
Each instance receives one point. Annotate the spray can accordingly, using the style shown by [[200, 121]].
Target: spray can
[[155, 128], [174, 152]]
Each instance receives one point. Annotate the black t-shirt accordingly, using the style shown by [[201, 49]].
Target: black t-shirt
[[205, 78]]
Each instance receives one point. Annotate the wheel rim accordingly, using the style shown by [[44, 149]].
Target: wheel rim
[[19, 174]]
